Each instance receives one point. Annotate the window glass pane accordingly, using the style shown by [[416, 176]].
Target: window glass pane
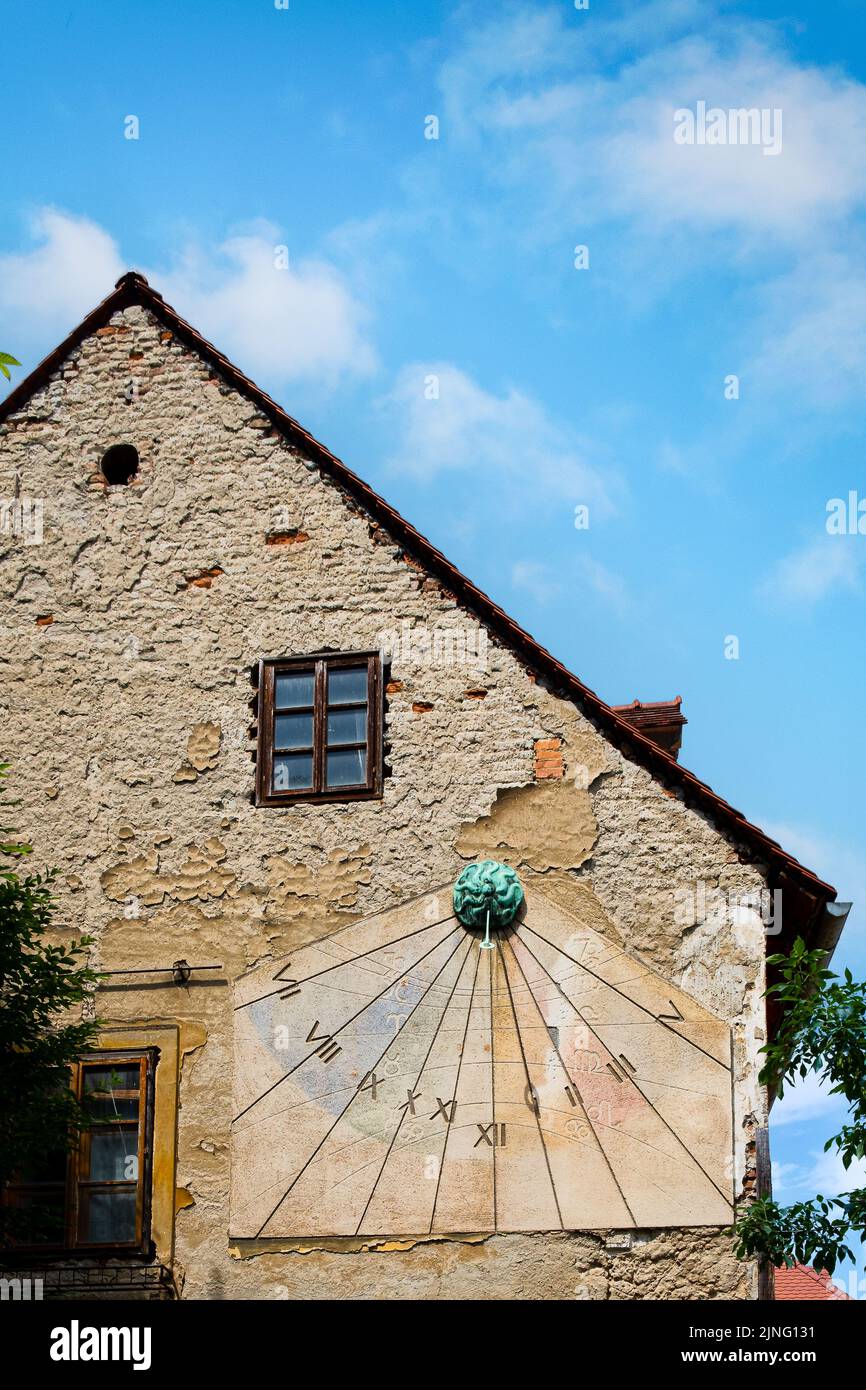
[[293, 731], [113, 1155], [348, 685], [293, 689], [347, 726], [347, 768], [107, 1079], [292, 772], [106, 1217], [101, 1088]]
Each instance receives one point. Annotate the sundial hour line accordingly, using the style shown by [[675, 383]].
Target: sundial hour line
[[390, 1044], [579, 1101], [657, 1018], [448, 1130], [529, 1084], [635, 1083], [350, 960], [343, 1025], [409, 1104]]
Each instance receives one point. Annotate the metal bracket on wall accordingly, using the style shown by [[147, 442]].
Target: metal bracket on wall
[[180, 971]]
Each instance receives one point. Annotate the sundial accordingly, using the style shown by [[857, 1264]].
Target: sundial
[[414, 1073]]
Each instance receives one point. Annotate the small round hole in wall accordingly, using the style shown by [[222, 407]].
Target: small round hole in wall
[[119, 465]]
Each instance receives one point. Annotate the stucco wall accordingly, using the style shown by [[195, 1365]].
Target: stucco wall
[[126, 713]]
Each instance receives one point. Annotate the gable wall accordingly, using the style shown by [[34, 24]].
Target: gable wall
[[133, 627]]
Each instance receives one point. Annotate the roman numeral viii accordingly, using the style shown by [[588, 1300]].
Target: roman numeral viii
[[329, 1048]]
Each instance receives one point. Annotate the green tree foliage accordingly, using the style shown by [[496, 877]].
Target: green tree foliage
[[823, 1030], [42, 987], [6, 361]]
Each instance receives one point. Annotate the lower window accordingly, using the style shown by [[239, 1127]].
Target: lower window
[[97, 1196]]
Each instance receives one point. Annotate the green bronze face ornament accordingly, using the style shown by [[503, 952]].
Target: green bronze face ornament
[[487, 895]]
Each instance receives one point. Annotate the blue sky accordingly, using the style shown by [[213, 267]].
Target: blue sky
[[453, 258]]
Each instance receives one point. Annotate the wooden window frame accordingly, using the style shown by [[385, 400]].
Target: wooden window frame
[[319, 664], [77, 1160]]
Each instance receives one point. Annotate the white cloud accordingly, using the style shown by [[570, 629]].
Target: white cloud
[[824, 1173], [783, 1175], [302, 322], [445, 421], [544, 584], [570, 129], [806, 1102], [815, 570], [816, 175], [604, 582], [672, 458], [535, 579], [589, 129], [829, 1176], [808, 1099], [813, 332], [71, 268]]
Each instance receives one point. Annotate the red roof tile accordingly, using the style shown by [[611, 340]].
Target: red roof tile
[[666, 710], [660, 720], [802, 1282]]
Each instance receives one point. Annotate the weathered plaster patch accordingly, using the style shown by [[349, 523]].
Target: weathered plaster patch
[[203, 746], [544, 827], [201, 876], [317, 896], [134, 878]]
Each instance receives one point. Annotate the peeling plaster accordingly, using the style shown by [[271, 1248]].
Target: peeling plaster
[[549, 826]]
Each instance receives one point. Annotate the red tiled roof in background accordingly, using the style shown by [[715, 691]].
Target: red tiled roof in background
[[803, 1283]]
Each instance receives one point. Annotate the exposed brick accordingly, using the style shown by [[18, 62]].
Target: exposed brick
[[291, 537], [548, 759], [204, 578]]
